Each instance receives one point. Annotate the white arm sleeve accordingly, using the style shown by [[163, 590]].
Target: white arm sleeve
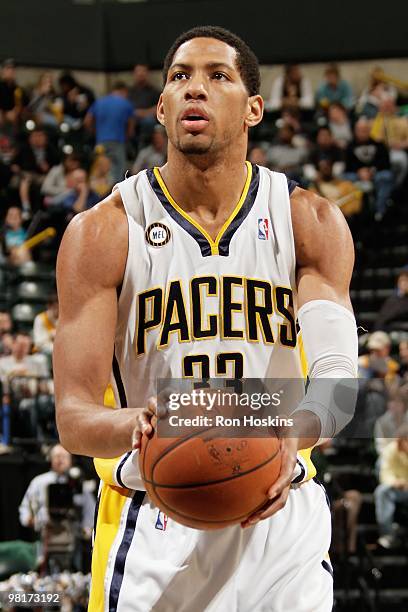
[[330, 342]]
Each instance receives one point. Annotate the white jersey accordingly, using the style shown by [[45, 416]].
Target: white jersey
[[191, 306]]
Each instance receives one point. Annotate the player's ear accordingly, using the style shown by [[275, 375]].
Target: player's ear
[[255, 111], [160, 111]]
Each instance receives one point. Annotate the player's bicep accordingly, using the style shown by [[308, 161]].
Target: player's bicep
[[84, 346], [324, 250], [89, 268]]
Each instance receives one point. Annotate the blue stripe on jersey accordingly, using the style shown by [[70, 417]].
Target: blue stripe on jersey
[[119, 469], [120, 561], [327, 567], [184, 223], [223, 246], [291, 185], [119, 383], [205, 247]]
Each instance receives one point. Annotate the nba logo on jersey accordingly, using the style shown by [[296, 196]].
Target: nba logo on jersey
[[161, 521], [263, 229]]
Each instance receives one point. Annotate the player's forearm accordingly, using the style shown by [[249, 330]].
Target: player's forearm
[[305, 431], [94, 430]]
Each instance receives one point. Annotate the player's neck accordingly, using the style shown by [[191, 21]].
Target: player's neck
[[202, 188]]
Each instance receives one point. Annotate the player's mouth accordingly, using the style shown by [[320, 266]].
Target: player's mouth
[[194, 120]]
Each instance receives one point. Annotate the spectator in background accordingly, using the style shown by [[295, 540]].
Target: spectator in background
[[26, 386], [76, 100], [368, 165], [284, 156], [345, 504], [12, 96], [34, 508], [55, 183], [339, 125], [45, 326], [403, 359], [154, 154], [80, 197], [324, 149], [387, 426], [291, 90], [21, 362], [7, 149], [395, 308], [112, 118], [343, 193], [258, 155], [31, 165], [392, 130], [40, 106], [374, 95], [334, 89], [13, 234], [144, 97], [378, 363], [379, 372], [393, 487], [6, 338], [100, 175]]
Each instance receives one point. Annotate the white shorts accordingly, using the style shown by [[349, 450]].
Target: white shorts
[[278, 565]]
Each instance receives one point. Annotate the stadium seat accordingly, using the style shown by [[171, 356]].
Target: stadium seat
[[29, 291], [32, 270], [23, 315]]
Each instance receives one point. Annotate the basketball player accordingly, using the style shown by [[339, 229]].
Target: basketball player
[[201, 268]]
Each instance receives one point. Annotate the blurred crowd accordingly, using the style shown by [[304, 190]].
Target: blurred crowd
[[62, 149]]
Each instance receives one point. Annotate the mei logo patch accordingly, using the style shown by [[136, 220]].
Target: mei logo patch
[[161, 521], [263, 229], [157, 234]]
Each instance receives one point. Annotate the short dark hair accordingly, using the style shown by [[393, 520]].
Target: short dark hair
[[247, 62], [119, 85]]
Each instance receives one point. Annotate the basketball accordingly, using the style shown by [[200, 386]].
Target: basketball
[[208, 482]]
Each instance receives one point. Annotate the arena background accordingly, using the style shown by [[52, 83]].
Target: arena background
[[99, 43]]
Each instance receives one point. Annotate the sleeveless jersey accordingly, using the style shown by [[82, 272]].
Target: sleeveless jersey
[[191, 306]]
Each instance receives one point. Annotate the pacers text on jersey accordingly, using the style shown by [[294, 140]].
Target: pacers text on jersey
[[183, 308]]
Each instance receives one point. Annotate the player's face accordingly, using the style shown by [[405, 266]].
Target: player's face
[[205, 105]]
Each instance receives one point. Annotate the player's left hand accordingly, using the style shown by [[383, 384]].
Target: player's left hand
[[304, 433], [279, 491]]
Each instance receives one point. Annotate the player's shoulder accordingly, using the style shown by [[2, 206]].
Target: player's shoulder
[[96, 241], [312, 213], [105, 221], [319, 227]]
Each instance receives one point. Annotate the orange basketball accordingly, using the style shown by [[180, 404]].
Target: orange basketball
[[208, 482]]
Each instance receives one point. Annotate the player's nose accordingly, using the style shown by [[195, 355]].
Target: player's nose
[[196, 88]]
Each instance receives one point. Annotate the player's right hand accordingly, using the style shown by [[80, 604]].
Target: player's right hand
[[143, 422]]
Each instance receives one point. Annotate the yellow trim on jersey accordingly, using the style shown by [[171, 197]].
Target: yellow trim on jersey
[[306, 452], [111, 502], [106, 468], [213, 243], [109, 397], [302, 354]]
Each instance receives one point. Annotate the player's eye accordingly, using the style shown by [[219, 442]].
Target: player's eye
[[179, 76], [220, 76]]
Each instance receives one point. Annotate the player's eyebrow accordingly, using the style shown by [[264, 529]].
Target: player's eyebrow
[[209, 66]]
